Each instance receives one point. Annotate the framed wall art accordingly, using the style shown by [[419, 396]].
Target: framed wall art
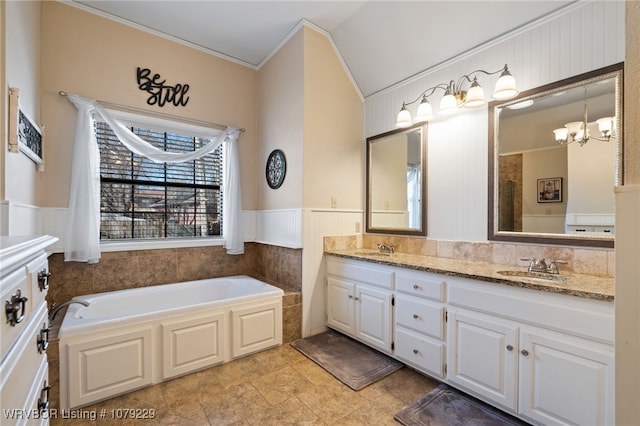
[[25, 135], [550, 190]]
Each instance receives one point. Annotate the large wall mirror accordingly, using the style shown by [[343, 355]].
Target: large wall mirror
[[396, 182], [557, 187]]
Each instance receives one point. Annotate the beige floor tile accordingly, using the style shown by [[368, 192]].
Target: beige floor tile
[[280, 357], [288, 412], [281, 385], [239, 371], [313, 372], [238, 402]]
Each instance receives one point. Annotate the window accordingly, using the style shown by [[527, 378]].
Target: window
[[143, 199]]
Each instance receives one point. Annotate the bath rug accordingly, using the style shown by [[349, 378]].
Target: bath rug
[[351, 362], [445, 406]]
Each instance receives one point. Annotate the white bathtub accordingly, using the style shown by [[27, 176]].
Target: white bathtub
[[128, 339]]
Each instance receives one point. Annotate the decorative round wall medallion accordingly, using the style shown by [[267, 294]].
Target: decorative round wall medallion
[[276, 168]]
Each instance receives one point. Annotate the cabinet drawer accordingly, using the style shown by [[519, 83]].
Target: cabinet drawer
[[15, 290], [361, 271], [422, 352], [420, 315], [38, 273], [430, 286], [19, 369]]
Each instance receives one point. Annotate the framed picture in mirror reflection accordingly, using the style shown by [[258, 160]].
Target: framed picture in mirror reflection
[[550, 190]]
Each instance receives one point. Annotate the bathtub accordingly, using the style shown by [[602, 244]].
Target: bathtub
[[125, 340]]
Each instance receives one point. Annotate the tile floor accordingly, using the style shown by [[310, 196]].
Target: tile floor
[[279, 386]]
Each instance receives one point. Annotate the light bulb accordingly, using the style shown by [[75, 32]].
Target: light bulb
[[561, 134], [448, 104], [475, 95], [425, 111], [505, 86], [404, 117]]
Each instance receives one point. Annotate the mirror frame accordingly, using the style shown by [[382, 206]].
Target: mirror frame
[[422, 231], [616, 71]]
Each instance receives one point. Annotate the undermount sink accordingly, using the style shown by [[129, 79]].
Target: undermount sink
[[537, 276], [372, 253]]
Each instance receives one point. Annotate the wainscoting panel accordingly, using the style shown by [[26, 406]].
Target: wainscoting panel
[[279, 227], [317, 224], [18, 219]]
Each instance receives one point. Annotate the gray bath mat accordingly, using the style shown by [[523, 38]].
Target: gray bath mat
[[445, 406], [351, 362]]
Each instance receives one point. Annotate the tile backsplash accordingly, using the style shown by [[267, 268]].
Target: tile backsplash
[[590, 261]]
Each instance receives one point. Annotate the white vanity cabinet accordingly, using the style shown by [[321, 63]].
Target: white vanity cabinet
[[24, 332], [548, 358], [420, 321], [360, 301]]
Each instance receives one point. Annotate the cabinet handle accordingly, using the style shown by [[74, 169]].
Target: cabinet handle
[[416, 286], [415, 316], [16, 305], [509, 348], [415, 351], [43, 279], [524, 352], [42, 340], [356, 298], [350, 297], [43, 401]]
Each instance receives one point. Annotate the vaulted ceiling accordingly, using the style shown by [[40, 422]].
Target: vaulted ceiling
[[381, 42]]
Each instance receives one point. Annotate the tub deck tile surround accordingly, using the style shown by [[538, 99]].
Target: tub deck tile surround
[[276, 387], [586, 270]]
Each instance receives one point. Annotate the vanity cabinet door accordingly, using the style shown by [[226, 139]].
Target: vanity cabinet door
[[565, 380], [373, 317], [482, 356], [340, 306]]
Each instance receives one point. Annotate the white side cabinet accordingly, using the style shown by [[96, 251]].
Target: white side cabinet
[[545, 357], [24, 331], [360, 301]]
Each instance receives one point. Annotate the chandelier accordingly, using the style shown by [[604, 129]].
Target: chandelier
[[578, 131], [456, 96]]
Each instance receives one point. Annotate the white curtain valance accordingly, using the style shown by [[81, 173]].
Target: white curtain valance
[[83, 225]]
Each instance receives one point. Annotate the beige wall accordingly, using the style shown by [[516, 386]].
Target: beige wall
[[280, 123], [333, 129], [20, 69], [628, 242], [309, 108], [97, 58]]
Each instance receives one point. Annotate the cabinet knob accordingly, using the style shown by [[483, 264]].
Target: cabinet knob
[[415, 316], [416, 286], [350, 296], [509, 348], [524, 352], [357, 298], [415, 351]]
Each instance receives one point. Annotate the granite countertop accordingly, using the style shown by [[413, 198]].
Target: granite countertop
[[587, 286]]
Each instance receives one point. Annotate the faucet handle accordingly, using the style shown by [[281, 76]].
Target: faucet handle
[[553, 266]]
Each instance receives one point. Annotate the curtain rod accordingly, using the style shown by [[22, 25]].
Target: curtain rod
[[125, 108]]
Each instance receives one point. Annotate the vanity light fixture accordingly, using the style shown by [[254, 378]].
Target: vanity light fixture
[[455, 96], [575, 130]]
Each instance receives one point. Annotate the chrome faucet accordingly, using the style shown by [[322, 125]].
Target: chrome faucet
[[386, 248], [53, 311], [540, 265]]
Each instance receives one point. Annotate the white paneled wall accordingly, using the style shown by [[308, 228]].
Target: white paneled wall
[[583, 37], [316, 224]]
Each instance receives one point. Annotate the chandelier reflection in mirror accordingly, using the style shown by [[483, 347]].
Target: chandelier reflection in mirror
[[575, 130], [456, 96]]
